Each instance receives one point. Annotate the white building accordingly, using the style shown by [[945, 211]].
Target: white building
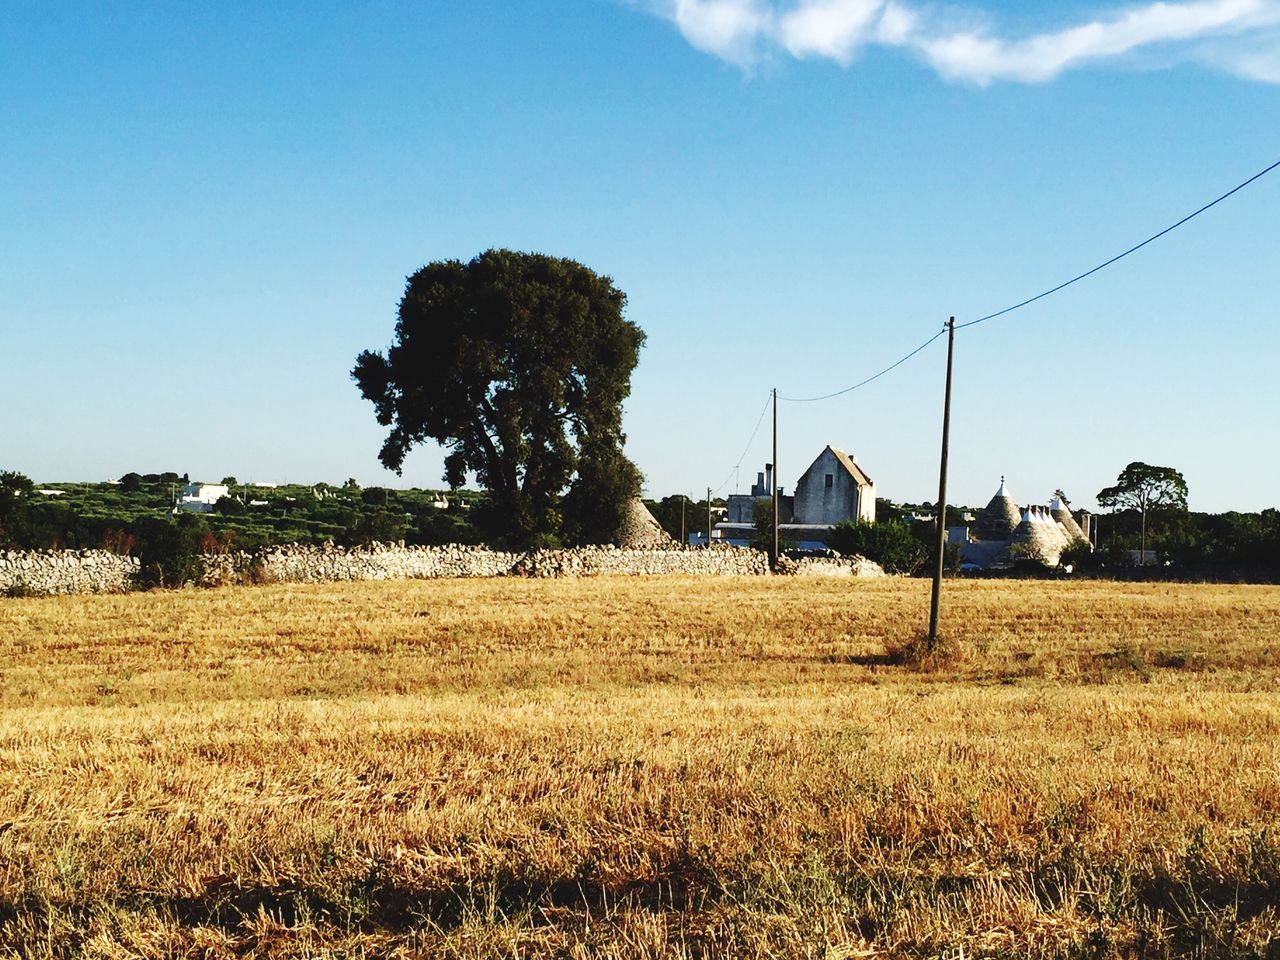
[[832, 490], [200, 497]]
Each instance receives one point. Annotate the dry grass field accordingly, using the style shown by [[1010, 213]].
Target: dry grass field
[[666, 767]]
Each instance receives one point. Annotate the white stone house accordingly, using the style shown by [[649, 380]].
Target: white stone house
[[201, 497], [832, 490]]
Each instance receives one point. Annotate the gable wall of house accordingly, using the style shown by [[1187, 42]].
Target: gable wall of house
[[815, 502]]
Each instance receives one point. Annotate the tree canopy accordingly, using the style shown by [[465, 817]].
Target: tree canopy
[[1143, 487], [518, 364]]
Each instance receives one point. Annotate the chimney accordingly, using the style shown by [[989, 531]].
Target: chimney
[[768, 478], [758, 489]]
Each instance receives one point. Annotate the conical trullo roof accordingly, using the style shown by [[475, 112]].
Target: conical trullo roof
[[1041, 538], [1000, 517], [641, 529], [1052, 526], [1064, 517]]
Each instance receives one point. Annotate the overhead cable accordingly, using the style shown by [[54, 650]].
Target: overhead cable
[[1040, 296], [1120, 256], [863, 383], [747, 448]]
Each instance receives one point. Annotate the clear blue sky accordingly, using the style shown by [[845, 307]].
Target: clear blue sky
[[209, 211]]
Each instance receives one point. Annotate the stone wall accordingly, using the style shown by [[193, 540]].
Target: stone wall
[[307, 564], [92, 571], [833, 567], [300, 563], [597, 561], [45, 572]]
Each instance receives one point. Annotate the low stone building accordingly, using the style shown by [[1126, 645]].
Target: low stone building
[[641, 529], [1005, 533]]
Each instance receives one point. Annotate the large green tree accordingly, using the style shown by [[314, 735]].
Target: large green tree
[[517, 363], [1144, 488]]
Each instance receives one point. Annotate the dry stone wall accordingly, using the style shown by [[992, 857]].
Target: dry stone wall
[[299, 563], [833, 567], [597, 561], [95, 571], [45, 572]]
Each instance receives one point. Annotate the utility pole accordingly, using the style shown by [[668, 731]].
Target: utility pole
[[942, 492], [708, 518], [683, 503], [774, 556]]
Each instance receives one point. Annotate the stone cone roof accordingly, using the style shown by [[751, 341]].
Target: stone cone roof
[[1000, 518], [1064, 517], [641, 529], [1041, 534]]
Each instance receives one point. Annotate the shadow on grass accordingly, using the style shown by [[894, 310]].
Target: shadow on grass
[[1197, 911]]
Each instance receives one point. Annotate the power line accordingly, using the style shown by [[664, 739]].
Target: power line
[[1040, 296], [863, 383], [747, 448], [1121, 256]]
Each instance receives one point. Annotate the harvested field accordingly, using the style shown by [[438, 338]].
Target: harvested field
[[664, 767]]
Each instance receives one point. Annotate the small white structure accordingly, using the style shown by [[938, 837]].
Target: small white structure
[[200, 497]]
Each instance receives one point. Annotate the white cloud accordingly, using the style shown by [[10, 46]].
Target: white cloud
[[1256, 57], [1237, 35], [829, 28], [727, 28]]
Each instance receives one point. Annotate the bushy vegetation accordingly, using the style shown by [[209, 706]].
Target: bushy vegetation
[[893, 544], [1224, 544], [135, 515]]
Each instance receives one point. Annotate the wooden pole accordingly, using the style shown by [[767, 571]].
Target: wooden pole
[[774, 556], [709, 517], [942, 493], [683, 502]]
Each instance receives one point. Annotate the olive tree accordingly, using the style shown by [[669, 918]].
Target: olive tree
[[518, 363]]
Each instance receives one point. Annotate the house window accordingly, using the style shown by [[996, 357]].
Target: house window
[[830, 481]]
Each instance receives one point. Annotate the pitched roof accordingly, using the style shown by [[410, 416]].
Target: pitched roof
[[852, 467]]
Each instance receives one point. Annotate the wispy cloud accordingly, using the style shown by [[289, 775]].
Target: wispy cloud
[[1241, 36]]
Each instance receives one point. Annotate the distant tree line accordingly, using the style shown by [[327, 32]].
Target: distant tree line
[[136, 516]]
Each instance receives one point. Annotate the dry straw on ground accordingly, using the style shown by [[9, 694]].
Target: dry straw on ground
[[640, 768]]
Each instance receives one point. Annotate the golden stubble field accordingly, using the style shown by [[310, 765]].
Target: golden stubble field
[[666, 767]]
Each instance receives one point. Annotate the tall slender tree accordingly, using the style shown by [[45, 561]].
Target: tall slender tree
[[1145, 488]]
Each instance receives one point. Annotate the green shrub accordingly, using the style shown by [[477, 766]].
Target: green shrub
[[1079, 555], [167, 549], [892, 544]]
